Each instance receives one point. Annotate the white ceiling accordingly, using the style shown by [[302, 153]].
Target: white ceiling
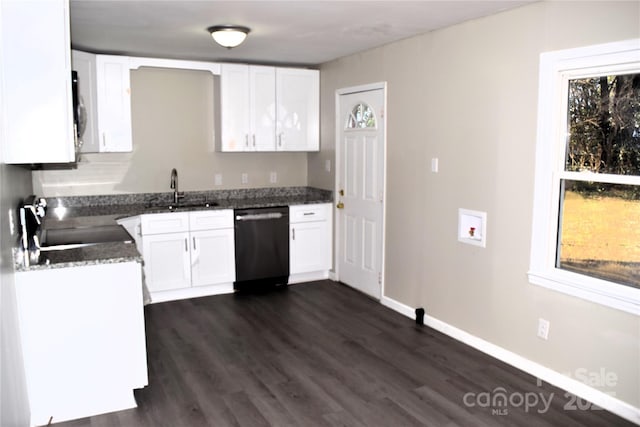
[[303, 32]]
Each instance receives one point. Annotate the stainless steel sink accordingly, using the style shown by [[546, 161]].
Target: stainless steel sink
[[68, 238]]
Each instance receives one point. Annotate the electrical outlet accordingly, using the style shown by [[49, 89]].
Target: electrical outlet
[[245, 178], [434, 165], [218, 179], [273, 177], [327, 165], [543, 328]]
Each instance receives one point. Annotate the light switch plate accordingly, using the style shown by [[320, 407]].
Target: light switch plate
[[434, 165]]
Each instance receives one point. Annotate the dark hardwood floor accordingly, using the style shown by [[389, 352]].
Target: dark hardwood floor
[[322, 354]]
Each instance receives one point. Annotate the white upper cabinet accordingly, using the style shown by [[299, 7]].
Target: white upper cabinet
[[262, 107], [114, 103], [247, 108], [297, 93], [104, 90], [269, 108], [234, 107], [35, 73]]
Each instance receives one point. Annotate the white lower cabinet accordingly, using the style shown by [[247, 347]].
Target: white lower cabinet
[[167, 262], [212, 257], [83, 339], [310, 240], [189, 253]]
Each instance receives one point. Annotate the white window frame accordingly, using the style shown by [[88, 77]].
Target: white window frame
[[556, 69]]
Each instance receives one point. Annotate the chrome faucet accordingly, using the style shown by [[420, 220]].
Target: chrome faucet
[[177, 195]]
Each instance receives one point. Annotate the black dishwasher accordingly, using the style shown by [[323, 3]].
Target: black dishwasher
[[262, 247]]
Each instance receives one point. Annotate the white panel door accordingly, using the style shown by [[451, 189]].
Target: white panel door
[[361, 190], [212, 257], [167, 261]]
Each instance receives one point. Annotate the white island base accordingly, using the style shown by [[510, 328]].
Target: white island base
[[83, 339]]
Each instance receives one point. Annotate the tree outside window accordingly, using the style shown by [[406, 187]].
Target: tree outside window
[[600, 221]]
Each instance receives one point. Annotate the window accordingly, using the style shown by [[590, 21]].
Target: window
[[586, 222], [360, 117]]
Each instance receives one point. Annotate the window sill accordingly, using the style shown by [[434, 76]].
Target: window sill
[[601, 292]]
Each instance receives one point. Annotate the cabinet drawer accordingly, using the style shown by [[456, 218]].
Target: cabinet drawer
[[210, 220], [171, 222], [306, 213]]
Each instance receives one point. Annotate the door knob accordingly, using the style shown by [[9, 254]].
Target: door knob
[[340, 205], [342, 192]]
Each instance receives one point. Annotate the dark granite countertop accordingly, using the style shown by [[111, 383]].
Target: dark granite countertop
[[74, 211], [100, 253], [121, 206]]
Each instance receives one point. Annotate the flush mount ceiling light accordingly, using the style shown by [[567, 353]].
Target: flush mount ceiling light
[[228, 35]]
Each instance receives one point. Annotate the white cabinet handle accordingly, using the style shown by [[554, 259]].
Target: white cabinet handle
[[254, 140], [293, 237], [186, 245], [194, 243], [246, 140]]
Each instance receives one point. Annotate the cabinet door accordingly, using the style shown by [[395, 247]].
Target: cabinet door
[[298, 106], [166, 261], [114, 103], [262, 93], [310, 247], [234, 107], [35, 77], [210, 220], [85, 64], [162, 223], [212, 257]]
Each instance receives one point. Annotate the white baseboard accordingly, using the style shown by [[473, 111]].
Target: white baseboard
[[308, 277], [597, 397], [192, 292]]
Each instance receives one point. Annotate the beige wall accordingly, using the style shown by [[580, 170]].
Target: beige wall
[[468, 96], [173, 127], [15, 184]]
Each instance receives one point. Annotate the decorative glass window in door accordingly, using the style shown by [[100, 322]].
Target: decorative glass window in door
[[361, 116]]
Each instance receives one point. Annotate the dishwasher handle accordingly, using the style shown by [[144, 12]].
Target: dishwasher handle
[[259, 217]]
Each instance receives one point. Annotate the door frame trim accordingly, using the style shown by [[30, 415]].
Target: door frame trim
[[338, 149]]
